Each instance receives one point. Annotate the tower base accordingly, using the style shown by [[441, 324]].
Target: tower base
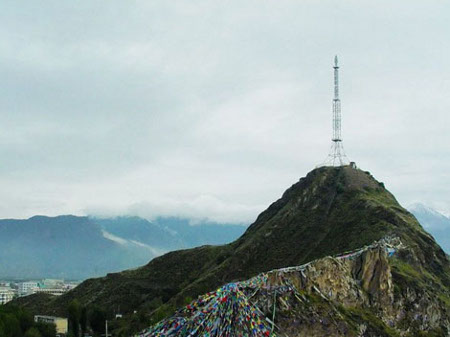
[[337, 156]]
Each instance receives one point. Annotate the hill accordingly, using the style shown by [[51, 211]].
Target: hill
[[73, 247], [331, 210]]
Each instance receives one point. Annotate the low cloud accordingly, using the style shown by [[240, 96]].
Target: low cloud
[[211, 110], [200, 209]]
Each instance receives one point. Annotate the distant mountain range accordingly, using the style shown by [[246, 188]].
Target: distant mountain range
[[74, 247], [436, 223]]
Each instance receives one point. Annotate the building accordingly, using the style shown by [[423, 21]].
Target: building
[[27, 288], [6, 294], [47, 286], [52, 283], [71, 285], [60, 323], [51, 291]]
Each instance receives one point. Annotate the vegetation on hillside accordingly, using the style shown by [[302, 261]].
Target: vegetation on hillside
[[18, 322]]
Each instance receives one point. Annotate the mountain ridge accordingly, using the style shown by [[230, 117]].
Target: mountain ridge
[[95, 246]]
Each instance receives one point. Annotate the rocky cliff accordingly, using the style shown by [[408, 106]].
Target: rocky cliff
[[363, 293]]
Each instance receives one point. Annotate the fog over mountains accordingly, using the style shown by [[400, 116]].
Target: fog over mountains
[[434, 222], [73, 247]]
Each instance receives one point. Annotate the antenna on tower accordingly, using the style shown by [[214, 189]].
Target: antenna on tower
[[337, 156]]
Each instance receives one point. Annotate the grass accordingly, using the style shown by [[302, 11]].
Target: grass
[[359, 315]]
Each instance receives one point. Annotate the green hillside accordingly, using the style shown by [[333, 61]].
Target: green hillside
[[330, 211]]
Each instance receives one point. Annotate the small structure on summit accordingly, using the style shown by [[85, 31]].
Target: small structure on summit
[[337, 156]]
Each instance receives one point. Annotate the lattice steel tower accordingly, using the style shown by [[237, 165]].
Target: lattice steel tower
[[337, 155]]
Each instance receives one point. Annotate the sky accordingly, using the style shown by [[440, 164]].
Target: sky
[[211, 109]]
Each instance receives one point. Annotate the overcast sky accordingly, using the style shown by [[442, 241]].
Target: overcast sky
[[211, 109]]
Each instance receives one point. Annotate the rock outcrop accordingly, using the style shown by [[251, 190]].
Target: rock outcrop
[[354, 294]]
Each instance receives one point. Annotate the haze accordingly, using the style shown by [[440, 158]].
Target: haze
[[211, 109]]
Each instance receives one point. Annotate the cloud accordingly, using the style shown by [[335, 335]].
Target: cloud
[[203, 207], [212, 109]]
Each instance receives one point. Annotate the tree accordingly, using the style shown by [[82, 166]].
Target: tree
[[83, 320], [32, 332], [74, 311], [11, 326], [25, 319], [2, 327], [46, 329], [97, 318], [17, 322]]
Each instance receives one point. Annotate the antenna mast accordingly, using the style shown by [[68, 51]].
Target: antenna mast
[[337, 155]]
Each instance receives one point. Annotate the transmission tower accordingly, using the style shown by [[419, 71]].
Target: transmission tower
[[337, 156]]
